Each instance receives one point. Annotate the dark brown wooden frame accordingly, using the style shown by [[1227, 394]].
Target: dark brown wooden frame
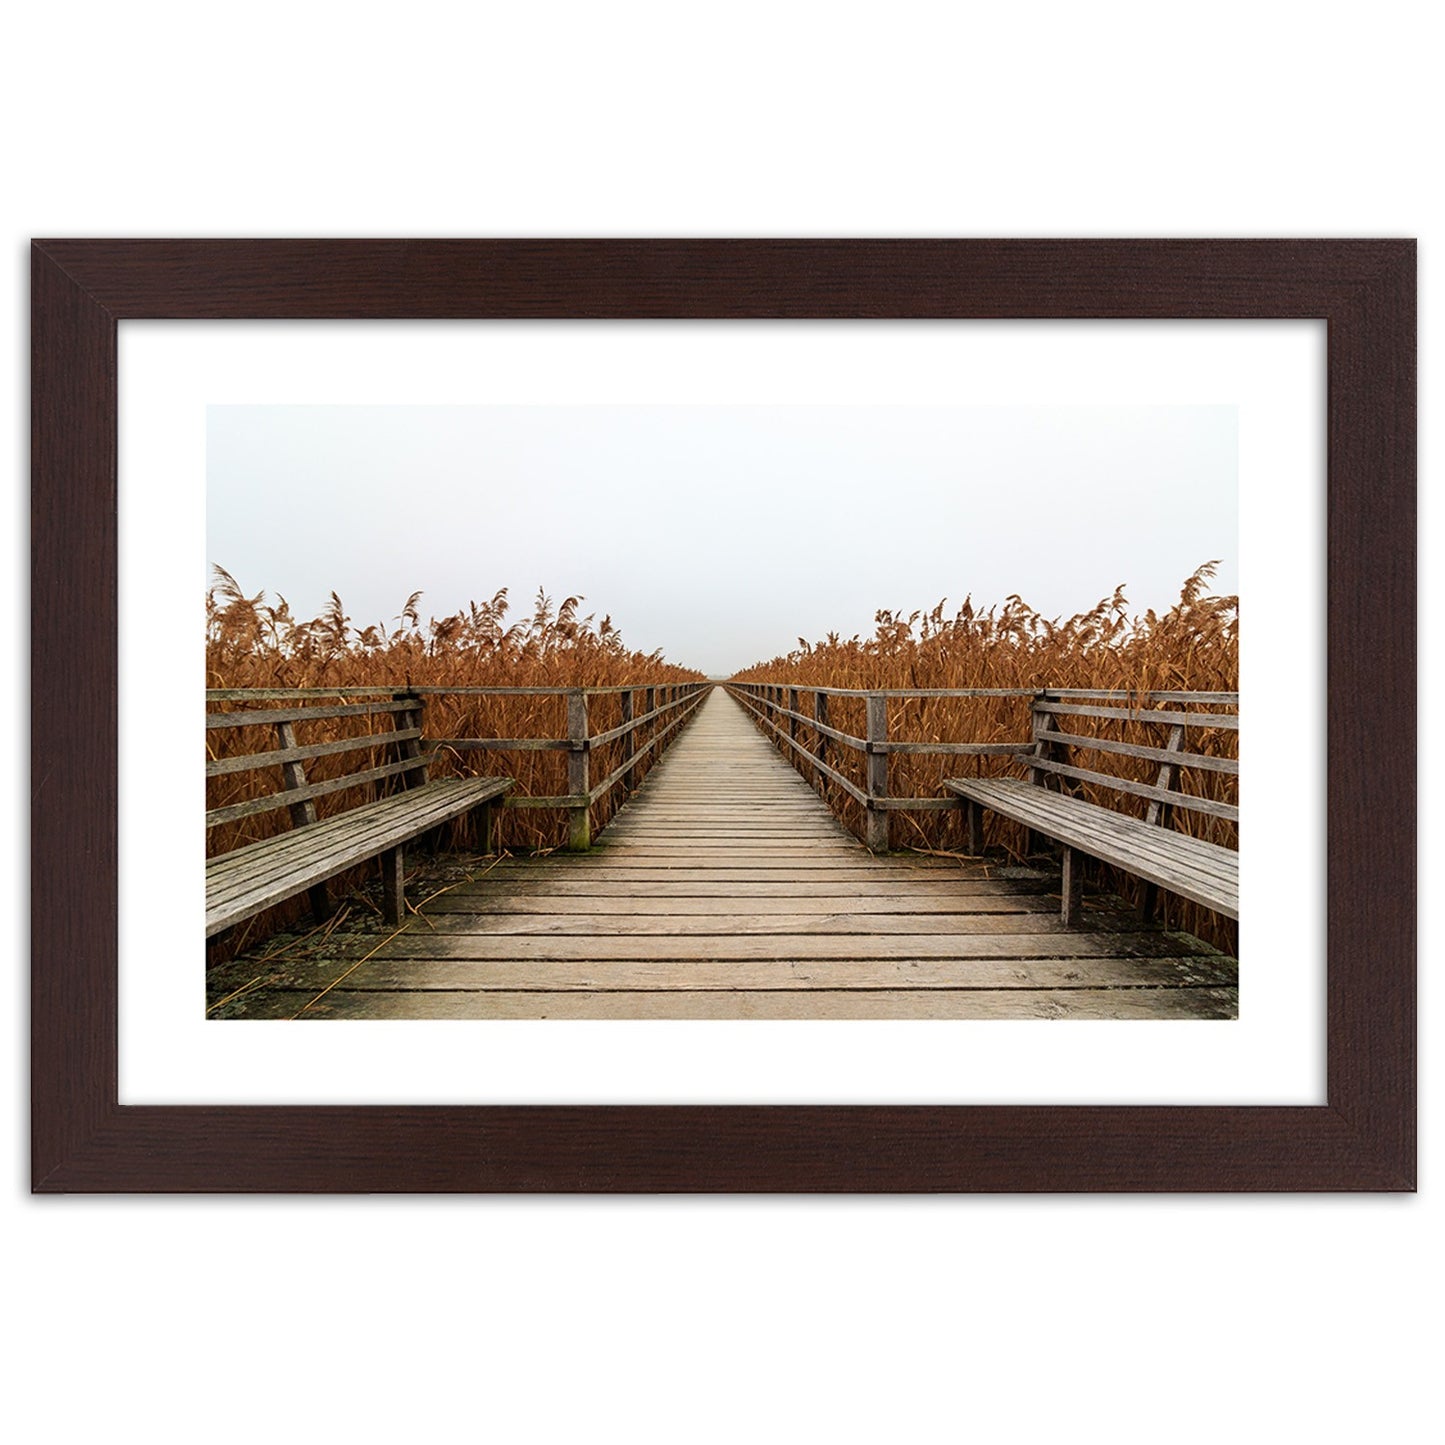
[[1363, 1138]]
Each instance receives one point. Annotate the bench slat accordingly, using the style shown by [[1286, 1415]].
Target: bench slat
[[1227, 720], [1180, 758], [1202, 872], [272, 801], [1126, 785], [246, 762], [369, 826], [1047, 811], [243, 882], [265, 717]]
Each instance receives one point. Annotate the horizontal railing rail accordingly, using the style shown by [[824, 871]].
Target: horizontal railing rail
[[777, 706], [643, 733]]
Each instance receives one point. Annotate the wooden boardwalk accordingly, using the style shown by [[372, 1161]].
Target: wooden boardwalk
[[725, 889]]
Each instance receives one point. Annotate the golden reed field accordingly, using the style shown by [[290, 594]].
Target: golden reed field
[[251, 643], [1192, 647]]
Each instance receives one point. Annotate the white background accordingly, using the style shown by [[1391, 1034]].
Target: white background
[[1273, 372], [1020, 1319]]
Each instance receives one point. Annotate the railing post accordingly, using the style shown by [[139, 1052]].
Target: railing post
[[793, 707], [820, 712], [1033, 842], [629, 740], [293, 775], [579, 826], [410, 747], [876, 836]]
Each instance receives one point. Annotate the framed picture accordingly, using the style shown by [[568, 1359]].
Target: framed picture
[[113, 909]]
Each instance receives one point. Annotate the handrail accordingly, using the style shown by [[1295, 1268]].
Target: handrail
[[241, 694], [1104, 694], [776, 706], [674, 701]]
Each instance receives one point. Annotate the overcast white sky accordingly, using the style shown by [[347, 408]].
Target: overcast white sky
[[721, 534]]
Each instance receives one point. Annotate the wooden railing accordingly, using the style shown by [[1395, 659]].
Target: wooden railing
[[650, 716], [782, 708], [672, 701]]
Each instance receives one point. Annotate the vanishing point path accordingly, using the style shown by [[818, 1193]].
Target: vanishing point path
[[724, 888]]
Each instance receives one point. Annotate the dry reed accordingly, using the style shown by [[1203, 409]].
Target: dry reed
[[1192, 647], [253, 643]]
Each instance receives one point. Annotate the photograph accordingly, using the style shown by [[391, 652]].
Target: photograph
[[804, 712]]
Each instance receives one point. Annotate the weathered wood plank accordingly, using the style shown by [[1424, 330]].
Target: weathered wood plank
[[677, 1003], [1175, 799], [480, 900], [1203, 872], [289, 797], [423, 943], [1227, 720], [1203, 761], [783, 973], [249, 762], [262, 874], [266, 717], [724, 889], [841, 922]]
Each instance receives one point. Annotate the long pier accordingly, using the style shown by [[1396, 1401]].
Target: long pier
[[724, 888]]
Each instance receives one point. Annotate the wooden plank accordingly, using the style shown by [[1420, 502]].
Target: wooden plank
[[783, 973], [423, 943], [875, 825], [242, 883], [477, 898], [248, 762], [370, 824], [1202, 872], [290, 797], [761, 891], [1139, 750], [504, 745], [842, 921], [1227, 721], [859, 1004], [1227, 811], [1088, 827], [267, 717], [579, 820], [957, 1004]]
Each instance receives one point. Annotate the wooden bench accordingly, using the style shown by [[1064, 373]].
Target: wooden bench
[[1205, 873], [256, 876]]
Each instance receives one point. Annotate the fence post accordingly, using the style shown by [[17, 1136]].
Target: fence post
[[793, 707], [629, 741], [293, 775], [410, 747], [820, 713], [579, 826], [876, 836]]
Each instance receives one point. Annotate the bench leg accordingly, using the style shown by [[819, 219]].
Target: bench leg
[[319, 896], [492, 829], [393, 885], [1072, 890], [1148, 898], [974, 818]]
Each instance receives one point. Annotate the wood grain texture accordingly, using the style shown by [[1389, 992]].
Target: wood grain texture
[[515, 931], [1363, 1137], [1203, 872]]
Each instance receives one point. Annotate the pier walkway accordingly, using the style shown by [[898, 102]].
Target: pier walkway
[[725, 889]]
